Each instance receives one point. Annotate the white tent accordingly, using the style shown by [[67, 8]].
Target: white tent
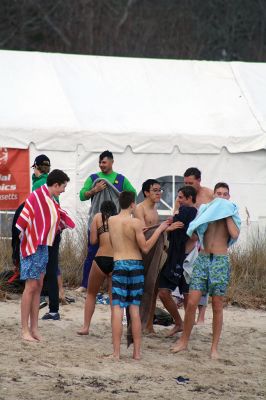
[[159, 117]]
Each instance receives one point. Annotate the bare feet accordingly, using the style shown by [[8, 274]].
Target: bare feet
[[36, 335], [149, 332], [174, 330], [83, 331], [214, 355], [27, 336], [112, 357], [179, 346], [136, 357]]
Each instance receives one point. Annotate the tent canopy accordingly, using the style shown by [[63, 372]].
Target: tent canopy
[[59, 101]]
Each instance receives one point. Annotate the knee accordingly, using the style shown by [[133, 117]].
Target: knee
[[217, 305], [164, 294], [191, 305]]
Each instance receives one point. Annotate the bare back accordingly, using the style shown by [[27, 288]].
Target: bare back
[[216, 238], [105, 247], [123, 238]]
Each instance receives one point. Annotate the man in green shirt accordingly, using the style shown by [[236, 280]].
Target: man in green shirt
[[120, 182], [41, 167]]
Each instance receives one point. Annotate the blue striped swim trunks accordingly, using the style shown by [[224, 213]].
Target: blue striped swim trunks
[[127, 283]]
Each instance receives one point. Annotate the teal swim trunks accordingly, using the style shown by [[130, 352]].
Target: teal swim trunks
[[211, 274]]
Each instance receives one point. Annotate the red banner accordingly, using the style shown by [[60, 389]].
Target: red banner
[[14, 177]]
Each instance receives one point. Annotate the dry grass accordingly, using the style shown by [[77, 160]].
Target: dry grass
[[73, 251], [248, 277]]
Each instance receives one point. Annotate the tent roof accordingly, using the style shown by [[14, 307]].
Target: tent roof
[[59, 101]]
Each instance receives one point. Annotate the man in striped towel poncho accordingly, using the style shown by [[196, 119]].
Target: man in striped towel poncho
[[39, 221]]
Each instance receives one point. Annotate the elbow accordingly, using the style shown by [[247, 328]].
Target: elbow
[[145, 250], [93, 241], [235, 235]]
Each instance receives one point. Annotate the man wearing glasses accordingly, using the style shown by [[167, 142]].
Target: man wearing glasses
[[146, 211]]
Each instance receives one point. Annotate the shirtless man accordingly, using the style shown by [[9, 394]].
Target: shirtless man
[[211, 271], [128, 240], [146, 211], [192, 177]]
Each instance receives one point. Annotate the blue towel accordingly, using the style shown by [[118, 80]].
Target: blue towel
[[213, 211]]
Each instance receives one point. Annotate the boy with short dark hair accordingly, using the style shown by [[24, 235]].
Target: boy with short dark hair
[[39, 222], [128, 240], [217, 225]]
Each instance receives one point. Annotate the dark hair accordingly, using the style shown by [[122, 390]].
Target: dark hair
[[193, 172], [107, 154], [221, 185], [125, 199], [189, 191], [108, 209], [57, 176], [147, 185]]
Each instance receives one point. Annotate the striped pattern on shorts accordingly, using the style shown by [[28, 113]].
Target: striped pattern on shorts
[[127, 282]]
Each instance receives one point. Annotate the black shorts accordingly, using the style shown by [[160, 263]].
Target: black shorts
[[106, 264], [165, 283]]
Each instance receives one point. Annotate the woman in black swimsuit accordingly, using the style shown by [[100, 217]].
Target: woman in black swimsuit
[[102, 265]]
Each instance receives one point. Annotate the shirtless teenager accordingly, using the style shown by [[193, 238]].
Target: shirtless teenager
[[128, 240], [211, 271], [192, 177], [146, 211]]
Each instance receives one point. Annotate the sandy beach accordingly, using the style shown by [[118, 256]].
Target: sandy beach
[[67, 366]]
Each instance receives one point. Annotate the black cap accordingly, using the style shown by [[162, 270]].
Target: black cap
[[42, 159]]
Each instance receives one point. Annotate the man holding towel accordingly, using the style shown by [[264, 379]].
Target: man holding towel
[[217, 227]]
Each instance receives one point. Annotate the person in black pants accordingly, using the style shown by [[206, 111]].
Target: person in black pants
[[50, 286]]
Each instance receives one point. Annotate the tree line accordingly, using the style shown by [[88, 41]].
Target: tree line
[[179, 29]]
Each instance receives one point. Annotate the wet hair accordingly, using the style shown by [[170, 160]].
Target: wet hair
[[57, 176], [107, 154], [221, 185], [193, 172], [108, 209], [147, 185], [125, 199], [189, 191]]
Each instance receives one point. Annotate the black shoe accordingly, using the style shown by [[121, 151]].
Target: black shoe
[[53, 316]]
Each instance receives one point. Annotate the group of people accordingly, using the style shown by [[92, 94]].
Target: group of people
[[204, 224]]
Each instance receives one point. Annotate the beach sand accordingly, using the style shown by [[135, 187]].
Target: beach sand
[[67, 366]]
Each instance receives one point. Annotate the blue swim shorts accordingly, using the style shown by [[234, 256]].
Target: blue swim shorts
[[31, 267], [211, 274], [127, 282]]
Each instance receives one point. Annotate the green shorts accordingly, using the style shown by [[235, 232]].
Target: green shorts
[[211, 274]]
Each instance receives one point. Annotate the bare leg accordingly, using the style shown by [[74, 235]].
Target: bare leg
[[185, 300], [109, 283], [26, 305], [168, 302], [217, 323], [193, 300], [117, 316], [136, 330], [96, 279], [201, 315], [34, 312], [149, 325]]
